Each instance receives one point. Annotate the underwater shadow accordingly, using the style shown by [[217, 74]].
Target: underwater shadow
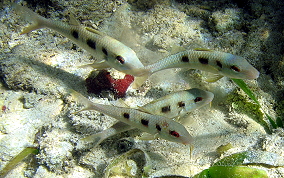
[[24, 66]]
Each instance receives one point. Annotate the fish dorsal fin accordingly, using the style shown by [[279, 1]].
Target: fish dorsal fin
[[94, 31], [202, 49], [73, 20]]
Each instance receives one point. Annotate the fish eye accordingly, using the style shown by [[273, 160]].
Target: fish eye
[[174, 133], [120, 59], [197, 99], [235, 68]]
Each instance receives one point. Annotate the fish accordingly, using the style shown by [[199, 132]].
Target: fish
[[159, 126], [216, 62], [171, 106], [114, 53], [178, 103]]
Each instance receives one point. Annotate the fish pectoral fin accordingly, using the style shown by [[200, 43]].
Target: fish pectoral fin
[[191, 150], [94, 31], [97, 65], [213, 78], [32, 27], [177, 118], [202, 49], [176, 48], [147, 136], [90, 141], [73, 20], [156, 136]]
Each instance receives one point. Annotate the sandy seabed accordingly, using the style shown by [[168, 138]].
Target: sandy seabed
[[38, 69]]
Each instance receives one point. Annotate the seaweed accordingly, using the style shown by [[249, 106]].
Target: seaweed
[[14, 162], [233, 166], [274, 123]]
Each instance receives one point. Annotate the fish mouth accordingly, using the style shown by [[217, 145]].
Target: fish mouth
[[187, 140], [252, 74], [209, 96]]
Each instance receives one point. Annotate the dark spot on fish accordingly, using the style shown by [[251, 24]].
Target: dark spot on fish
[[104, 51], [174, 133], [158, 127], [197, 99], [75, 34], [219, 64], [235, 68], [120, 59], [144, 122], [181, 104], [166, 108], [91, 43], [184, 59], [203, 60], [126, 115]]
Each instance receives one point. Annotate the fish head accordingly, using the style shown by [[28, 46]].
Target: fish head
[[238, 67], [197, 98], [125, 61], [175, 132]]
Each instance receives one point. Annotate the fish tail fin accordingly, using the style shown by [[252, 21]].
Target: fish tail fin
[[36, 20], [83, 100], [138, 81], [141, 75], [91, 141]]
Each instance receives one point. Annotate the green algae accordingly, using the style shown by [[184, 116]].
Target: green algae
[[232, 166], [233, 172], [243, 105], [16, 160], [280, 113], [256, 109]]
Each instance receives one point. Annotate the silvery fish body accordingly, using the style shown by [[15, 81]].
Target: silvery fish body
[[218, 63], [179, 103], [221, 63], [115, 54], [156, 125], [172, 105]]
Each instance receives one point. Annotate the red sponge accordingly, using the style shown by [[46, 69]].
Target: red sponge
[[104, 81]]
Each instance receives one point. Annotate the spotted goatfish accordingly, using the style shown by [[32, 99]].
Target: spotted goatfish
[[219, 63], [178, 103], [115, 54], [159, 126], [171, 106]]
